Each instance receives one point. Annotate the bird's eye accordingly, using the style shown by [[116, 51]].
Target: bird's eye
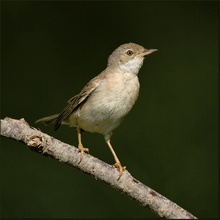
[[129, 52]]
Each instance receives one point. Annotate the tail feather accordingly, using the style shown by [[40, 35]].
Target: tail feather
[[49, 120]]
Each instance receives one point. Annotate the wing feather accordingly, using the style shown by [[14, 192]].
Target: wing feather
[[77, 101]]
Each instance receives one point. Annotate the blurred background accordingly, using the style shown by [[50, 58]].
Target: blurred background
[[50, 50]]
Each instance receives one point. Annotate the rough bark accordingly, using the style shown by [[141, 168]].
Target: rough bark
[[48, 146]]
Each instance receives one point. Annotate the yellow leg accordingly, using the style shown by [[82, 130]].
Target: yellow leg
[[80, 146], [118, 163]]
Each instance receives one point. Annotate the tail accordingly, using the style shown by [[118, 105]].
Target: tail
[[49, 120]]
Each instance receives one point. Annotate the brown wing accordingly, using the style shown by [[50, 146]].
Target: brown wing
[[77, 101]]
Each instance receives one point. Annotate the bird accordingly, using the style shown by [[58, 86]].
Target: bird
[[106, 99]]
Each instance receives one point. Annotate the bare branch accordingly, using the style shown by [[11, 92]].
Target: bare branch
[[46, 145]]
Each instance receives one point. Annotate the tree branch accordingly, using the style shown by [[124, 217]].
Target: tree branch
[[46, 145]]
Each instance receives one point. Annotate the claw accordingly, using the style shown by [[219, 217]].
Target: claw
[[82, 150], [120, 167]]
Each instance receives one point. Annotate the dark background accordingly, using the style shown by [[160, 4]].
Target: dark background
[[50, 50]]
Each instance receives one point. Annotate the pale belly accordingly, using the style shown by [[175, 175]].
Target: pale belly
[[103, 113]]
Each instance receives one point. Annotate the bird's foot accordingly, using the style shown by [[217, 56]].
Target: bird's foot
[[82, 150], [119, 167]]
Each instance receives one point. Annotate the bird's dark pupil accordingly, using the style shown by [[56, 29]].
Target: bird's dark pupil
[[129, 52]]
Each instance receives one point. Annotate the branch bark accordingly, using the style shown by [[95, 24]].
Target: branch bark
[[46, 145]]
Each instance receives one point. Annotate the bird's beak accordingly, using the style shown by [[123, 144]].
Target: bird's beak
[[148, 51]]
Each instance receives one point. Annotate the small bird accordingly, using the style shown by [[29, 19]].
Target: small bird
[[106, 99]]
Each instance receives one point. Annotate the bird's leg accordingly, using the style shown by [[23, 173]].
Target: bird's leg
[[80, 146], [118, 163]]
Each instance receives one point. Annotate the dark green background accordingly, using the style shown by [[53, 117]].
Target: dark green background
[[50, 50]]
